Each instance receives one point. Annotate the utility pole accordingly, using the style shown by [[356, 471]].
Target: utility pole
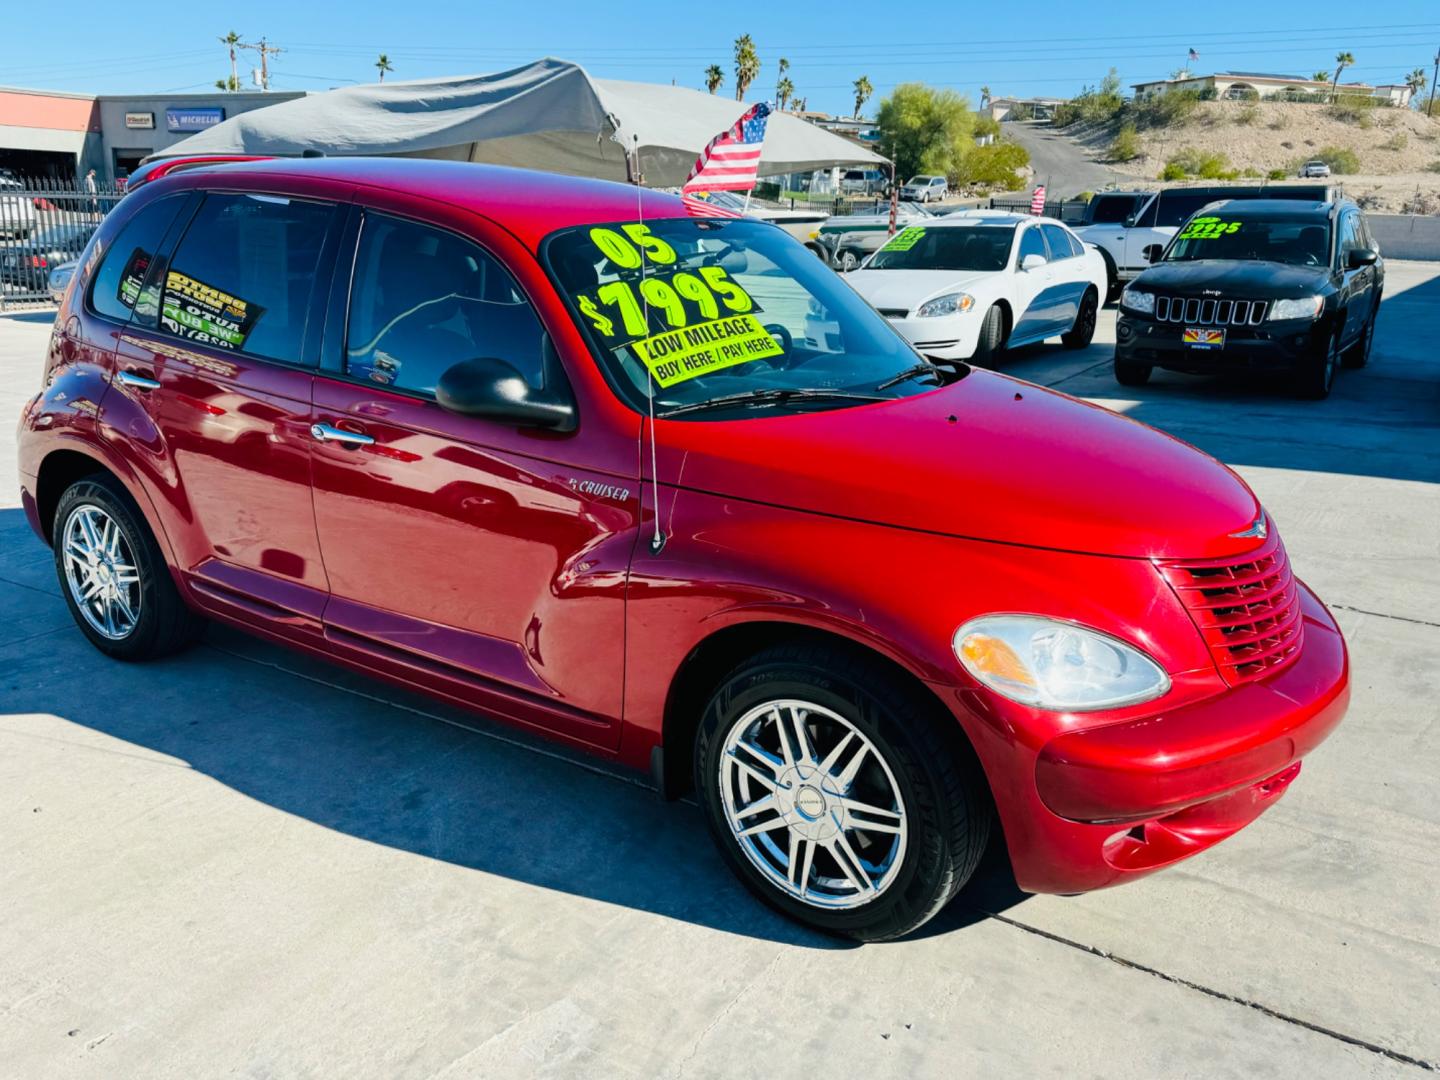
[[1430, 106], [266, 51]]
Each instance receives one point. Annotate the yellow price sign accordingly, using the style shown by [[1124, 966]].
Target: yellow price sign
[[676, 356]]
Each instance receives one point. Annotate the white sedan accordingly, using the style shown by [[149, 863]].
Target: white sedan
[[974, 283]]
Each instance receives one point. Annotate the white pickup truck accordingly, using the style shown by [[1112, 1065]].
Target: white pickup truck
[[1160, 214]]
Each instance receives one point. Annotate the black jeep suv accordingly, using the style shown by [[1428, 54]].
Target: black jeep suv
[[1258, 284]]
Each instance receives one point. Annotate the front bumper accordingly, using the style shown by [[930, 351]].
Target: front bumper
[[1114, 802], [945, 337], [1272, 346]]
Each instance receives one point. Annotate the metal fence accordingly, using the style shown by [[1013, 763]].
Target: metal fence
[[45, 222], [1071, 211]]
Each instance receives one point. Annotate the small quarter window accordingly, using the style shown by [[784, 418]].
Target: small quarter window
[[424, 299], [122, 271]]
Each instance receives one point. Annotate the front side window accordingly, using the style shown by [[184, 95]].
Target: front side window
[[1110, 211], [1349, 234], [243, 275], [1293, 240], [1031, 243], [1058, 241], [122, 273], [424, 299], [695, 310], [980, 248]]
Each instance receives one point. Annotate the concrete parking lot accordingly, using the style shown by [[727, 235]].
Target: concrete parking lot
[[241, 862]]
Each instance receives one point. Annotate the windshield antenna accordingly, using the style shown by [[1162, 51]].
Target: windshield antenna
[[657, 542]]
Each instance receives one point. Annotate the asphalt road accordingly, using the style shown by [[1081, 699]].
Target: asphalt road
[[240, 862], [1059, 162]]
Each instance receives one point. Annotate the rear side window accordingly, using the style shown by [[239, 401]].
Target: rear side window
[[424, 299], [1112, 210], [243, 276], [122, 272]]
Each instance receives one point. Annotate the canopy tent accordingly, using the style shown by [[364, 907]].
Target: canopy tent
[[549, 115]]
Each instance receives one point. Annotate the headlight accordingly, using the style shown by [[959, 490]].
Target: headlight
[[1138, 301], [1056, 665], [949, 304], [60, 278], [1307, 307]]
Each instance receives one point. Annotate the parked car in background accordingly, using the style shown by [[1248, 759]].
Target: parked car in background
[[1257, 285], [801, 222], [59, 280], [558, 451], [17, 209], [1314, 169], [850, 237], [1111, 207], [925, 189], [27, 263], [1123, 244], [864, 182], [971, 284]]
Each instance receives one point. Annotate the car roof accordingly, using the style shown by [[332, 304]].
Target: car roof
[[530, 204], [989, 217], [1297, 208]]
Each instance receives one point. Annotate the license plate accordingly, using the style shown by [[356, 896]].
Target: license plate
[[1204, 337]]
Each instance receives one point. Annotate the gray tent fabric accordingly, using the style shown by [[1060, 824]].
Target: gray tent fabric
[[550, 115]]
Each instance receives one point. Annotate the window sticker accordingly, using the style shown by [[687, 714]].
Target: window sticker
[[197, 312], [632, 245], [904, 241], [675, 356], [617, 310], [1208, 228], [133, 277]]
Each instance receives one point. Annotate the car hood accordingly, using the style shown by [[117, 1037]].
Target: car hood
[[988, 457], [910, 288], [1244, 278]]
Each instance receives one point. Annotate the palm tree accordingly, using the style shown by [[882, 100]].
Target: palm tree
[[383, 64], [984, 96], [863, 90], [1343, 59], [780, 77], [747, 65], [714, 78], [801, 104], [784, 91], [1417, 81], [1320, 76], [230, 40]]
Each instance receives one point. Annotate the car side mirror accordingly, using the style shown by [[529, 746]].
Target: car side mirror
[[491, 389], [1130, 221], [1032, 262], [1359, 257], [1153, 252]]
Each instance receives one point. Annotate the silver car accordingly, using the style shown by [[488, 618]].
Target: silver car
[[17, 209], [925, 189], [1314, 168], [59, 279]]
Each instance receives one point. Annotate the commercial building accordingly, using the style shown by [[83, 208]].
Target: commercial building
[[47, 133]]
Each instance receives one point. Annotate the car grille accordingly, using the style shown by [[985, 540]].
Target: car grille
[[894, 312], [1209, 311], [1248, 611]]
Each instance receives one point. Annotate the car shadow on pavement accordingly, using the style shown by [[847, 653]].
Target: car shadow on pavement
[[380, 764], [44, 315]]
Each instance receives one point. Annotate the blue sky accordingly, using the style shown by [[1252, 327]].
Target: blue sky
[[1037, 48]]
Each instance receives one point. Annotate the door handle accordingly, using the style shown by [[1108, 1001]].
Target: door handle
[[138, 382], [326, 433]]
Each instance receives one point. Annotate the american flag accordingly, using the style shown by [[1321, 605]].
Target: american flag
[[1194, 55], [731, 161], [698, 206], [1037, 200]]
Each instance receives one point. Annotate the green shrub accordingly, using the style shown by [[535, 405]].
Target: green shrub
[[1354, 109], [997, 165], [1341, 159], [1434, 166], [1171, 171], [1278, 174], [1172, 108], [1251, 172], [1125, 146], [1398, 141], [1248, 115]]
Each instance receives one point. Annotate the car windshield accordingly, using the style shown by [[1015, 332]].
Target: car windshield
[[1294, 240], [919, 181], [713, 308], [946, 247]]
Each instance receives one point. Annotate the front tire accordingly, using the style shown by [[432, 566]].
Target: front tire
[[113, 574], [1129, 373], [1083, 331], [1317, 377], [991, 344], [834, 792], [1358, 355], [848, 259]]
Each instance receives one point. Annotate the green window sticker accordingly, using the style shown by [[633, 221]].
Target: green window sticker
[[906, 240], [1208, 228]]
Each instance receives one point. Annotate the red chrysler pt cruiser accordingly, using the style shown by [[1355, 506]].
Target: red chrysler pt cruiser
[[559, 451]]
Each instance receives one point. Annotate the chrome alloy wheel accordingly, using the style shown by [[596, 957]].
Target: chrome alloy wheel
[[813, 804], [101, 572]]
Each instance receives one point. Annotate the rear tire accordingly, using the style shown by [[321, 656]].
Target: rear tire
[[153, 620], [1083, 332], [848, 259], [1129, 373], [991, 344], [870, 741], [1113, 285]]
